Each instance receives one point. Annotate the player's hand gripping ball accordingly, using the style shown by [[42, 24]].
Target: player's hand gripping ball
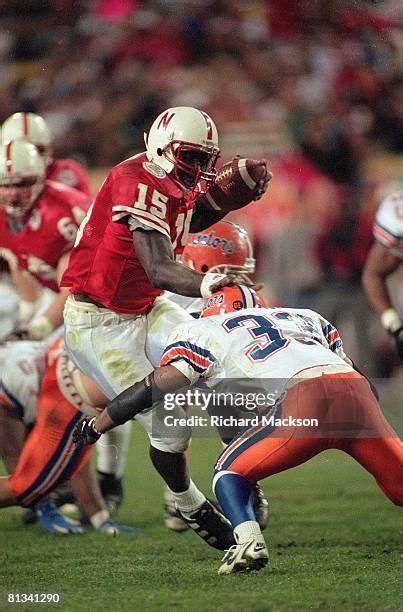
[[237, 184]]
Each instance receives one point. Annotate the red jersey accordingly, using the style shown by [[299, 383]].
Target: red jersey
[[103, 264], [71, 173], [49, 232]]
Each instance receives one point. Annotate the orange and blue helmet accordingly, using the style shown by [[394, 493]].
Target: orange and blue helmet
[[224, 247], [232, 299]]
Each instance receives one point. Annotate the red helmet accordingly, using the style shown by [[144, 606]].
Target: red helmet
[[231, 299], [223, 247]]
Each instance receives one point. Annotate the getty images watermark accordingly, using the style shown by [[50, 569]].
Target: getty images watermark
[[236, 410], [282, 407]]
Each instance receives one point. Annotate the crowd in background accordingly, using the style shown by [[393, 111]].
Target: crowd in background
[[312, 85]]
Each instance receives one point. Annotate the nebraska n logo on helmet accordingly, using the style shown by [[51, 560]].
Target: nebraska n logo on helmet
[[232, 299], [184, 142], [165, 119]]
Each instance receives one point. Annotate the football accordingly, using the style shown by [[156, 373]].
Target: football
[[238, 182]]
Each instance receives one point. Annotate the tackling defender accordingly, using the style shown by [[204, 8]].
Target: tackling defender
[[298, 357], [223, 248], [116, 318], [384, 258]]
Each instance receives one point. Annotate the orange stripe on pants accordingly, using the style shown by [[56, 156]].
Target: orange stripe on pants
[[43, 453], [350, 419]]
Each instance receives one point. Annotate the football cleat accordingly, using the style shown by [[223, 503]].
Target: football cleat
[[251, 555], [54, 521], [211, 525], [172, 518], [112, 491], [260, 506], [61, 496], [113, 529]]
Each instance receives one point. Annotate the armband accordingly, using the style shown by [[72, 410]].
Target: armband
[[134, 400], [39, 328], [390, 320], [210, 279]]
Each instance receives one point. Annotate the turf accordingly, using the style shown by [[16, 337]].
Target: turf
[[335, 543]]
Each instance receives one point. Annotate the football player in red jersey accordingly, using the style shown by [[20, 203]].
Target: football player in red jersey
[[116, 319], [39, 220], [33, 128]]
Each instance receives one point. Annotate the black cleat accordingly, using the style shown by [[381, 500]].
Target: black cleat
[[260, 506], [28, 516], [63, 495], [112, 490], [211, 525]]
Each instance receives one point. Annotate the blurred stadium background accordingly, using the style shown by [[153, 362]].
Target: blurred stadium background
[[313, 86]]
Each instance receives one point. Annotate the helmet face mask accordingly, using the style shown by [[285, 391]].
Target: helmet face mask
[[184, 142], [18, 199], [191, 163]]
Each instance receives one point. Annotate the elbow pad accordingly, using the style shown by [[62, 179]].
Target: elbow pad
[[134, 400]]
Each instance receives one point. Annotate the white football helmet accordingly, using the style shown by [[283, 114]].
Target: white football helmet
[[31, 127], [184, 142], [22, 176]]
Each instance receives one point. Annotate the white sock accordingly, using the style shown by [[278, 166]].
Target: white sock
[[99, 518], [189, 501], [112, 450], [246, 531]]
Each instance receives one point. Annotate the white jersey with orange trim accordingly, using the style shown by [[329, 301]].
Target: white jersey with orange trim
[[277, 344], [22, 366], [388, 224], [8, 306], [192, 305]]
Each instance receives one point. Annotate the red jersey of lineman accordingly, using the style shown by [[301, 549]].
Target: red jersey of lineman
[[71, 173], [103, 263], [49, 232]]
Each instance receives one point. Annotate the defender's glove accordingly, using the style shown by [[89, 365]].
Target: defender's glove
[[54, 521], [84, 434]]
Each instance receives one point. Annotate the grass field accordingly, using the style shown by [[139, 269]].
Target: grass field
[[335, 543]]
